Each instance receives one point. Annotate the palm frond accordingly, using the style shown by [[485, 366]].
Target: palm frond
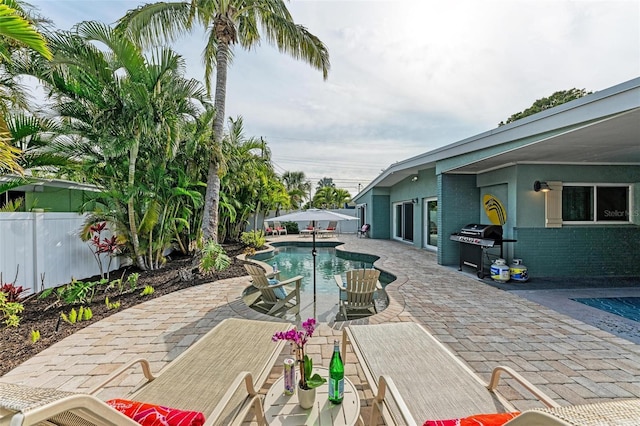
[[16, 27]]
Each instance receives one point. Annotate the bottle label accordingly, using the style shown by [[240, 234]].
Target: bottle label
[[336, 388]]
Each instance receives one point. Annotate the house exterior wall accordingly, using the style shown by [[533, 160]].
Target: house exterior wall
[[380, 216], [424, 187], [457, 206], [55, 200], [572, 250]]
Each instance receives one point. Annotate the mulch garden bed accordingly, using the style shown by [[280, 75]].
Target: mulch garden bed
[[40, 315]]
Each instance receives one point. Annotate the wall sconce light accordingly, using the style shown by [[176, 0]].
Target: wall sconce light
[[415, 178], [414, 201], [541, 186]]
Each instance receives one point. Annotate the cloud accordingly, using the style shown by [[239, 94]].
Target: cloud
[[408, 76]]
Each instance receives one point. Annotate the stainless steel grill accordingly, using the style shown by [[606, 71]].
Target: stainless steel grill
[[474, 239]]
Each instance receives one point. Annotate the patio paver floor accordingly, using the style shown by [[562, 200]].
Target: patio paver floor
[[570, 360]]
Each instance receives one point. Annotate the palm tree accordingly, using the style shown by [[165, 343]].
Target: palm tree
[[227, 23], [297, 186], [329, 197], [250, 185], [16, 31], [325, 182], [124, 117]]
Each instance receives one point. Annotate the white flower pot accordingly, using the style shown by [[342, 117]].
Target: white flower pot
[[306, 397]]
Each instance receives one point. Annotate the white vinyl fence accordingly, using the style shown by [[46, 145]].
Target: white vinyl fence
[[45, 249]]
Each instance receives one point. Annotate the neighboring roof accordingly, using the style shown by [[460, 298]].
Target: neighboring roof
[[41, 182], [600, 128]]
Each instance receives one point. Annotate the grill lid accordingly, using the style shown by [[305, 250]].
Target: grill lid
[[482, 231]]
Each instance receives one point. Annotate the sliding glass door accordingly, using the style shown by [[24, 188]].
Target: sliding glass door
[[403, 221]]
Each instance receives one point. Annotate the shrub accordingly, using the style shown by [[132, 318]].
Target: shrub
[[213, 258], [147, 290], [12, 292], [292, 227], [255, 239], [10, 311]]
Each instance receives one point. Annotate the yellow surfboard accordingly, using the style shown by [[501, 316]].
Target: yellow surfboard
[[494, 209]]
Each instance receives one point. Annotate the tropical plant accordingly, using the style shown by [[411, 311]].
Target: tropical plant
[[147, 290], [16, 31], [125, 117], [298, 188], [105, 246], [325, 182], [82, 314], [227, 23], [11, 291], [10, 311], [213, 258], [111, 305], [254, 239], [250, 185], [329, 197], [15, 25]]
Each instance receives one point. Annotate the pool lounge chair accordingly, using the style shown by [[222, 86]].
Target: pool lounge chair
[[308, 230], [268, 230], [356, 295], [329, 231], [279, 228], [276, 297], [416, 378], [218, 375]]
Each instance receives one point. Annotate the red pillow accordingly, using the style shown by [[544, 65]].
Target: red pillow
[[498, 419], [156, 415]]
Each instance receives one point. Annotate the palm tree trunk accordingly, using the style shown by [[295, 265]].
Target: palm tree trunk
[[212, 195], [133, 157]]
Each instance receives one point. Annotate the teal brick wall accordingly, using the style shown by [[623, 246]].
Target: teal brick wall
[[381, 217], [579, 251], [458, 205]]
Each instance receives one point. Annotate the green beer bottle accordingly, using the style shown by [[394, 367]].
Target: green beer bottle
[[336, 376]]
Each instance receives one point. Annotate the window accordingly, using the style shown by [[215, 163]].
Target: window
[[595, 203]]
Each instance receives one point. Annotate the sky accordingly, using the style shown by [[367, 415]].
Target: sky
[[407, 76]]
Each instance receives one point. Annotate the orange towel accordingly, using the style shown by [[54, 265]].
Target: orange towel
[[156, 415], [498, 419]]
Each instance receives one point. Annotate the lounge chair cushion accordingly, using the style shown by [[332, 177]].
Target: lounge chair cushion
[[496, 419], [156, 415], [279, 292]]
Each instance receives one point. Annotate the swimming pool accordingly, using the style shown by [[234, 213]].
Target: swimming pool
[[293, 260], [626, 307]]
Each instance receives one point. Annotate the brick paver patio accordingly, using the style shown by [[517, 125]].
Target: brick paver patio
[[571, 361]]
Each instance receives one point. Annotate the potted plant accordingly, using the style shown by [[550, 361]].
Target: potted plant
[[308, 381]]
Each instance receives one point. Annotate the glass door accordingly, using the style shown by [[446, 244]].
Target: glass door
[[403, 221], [430, 223]]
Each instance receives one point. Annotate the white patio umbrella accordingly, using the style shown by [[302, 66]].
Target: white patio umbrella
[[313, 216]]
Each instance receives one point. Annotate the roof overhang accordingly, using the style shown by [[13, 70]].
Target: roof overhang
[[611, 141], [601, 129]]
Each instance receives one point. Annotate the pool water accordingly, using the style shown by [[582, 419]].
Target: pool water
[[626, 307], [293, 260]]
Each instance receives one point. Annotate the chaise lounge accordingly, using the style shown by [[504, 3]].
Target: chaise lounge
[[219, 376], [416, 378]]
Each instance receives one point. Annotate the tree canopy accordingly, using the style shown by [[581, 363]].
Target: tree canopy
[[558, 98]]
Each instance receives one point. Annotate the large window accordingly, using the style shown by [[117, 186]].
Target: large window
[[595, 203], [403, 219]]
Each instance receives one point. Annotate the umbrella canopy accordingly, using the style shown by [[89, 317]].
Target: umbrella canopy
[[314, 216]]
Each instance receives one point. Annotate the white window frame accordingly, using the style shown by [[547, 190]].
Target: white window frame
[[595, 220]]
